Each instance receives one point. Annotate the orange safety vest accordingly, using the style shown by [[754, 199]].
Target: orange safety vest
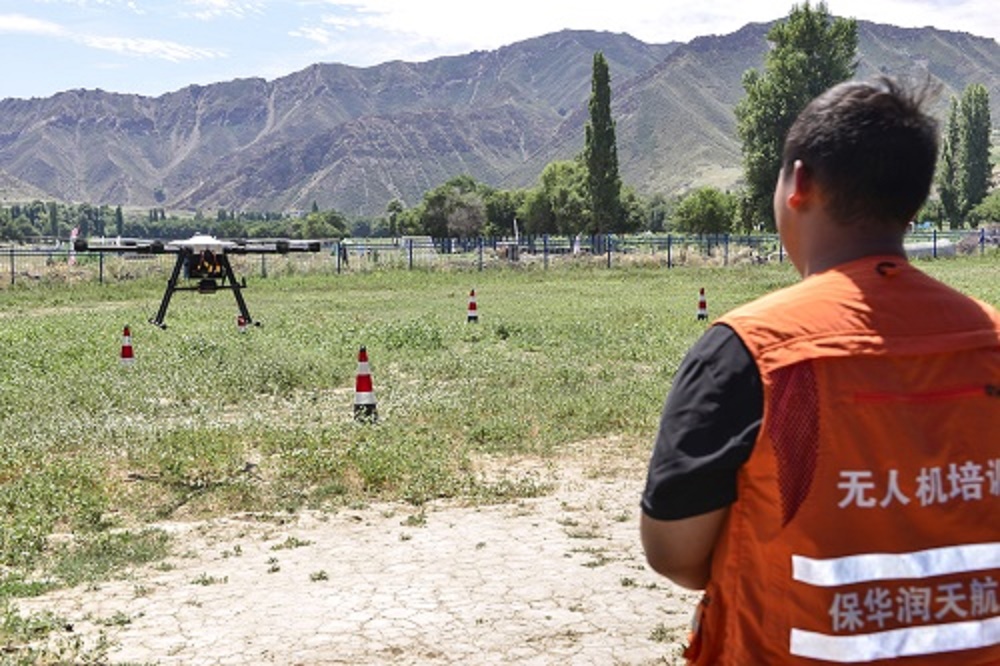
[[867, 524]]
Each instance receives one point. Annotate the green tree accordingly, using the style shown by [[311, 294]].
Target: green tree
[[635, 212], [964, 169], [601, 154], [501, 210], [949, 168], [454, 209], [974, 127], [54, 219], [986, 211], [706, 210], [559, 205], [811, 51], [323, 224], [535, 213], [659, 211], [392, 212]]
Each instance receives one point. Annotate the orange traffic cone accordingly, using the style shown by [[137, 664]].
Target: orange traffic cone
[[473, 311], [702, 305], [364, 393], [127, 355]]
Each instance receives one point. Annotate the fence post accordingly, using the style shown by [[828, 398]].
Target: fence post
[[409, 254], [982, 241], [263, 266], [934, 243], [100, 267], [12, 268], [725, 253], [479, 243], [670, 262], [545, 250]]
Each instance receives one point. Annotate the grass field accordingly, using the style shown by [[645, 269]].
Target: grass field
[[209, 420]]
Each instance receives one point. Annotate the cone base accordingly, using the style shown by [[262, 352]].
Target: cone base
[[365, 413]]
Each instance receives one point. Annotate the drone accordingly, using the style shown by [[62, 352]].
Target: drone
[[204, 261]]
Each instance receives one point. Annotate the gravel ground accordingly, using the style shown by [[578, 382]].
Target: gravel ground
[[558, 579]]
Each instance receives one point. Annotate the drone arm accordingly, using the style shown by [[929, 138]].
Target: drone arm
[[125, 245], [279, 246]]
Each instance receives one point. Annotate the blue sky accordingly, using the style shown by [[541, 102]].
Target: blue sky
[[154, 47]]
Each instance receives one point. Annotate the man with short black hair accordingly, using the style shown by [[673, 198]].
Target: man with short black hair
[[828, 462]]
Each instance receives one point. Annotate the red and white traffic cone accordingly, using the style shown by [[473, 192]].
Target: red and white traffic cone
[[364, 393], [127, 355], [702, 305], [473, 310], [241, 323]]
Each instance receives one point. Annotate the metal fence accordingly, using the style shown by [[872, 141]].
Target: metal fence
[[59, 264]]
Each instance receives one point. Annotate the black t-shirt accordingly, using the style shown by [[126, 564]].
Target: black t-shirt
[[707, 430]]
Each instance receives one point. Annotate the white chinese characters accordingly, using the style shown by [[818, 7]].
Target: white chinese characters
[[965, 482]]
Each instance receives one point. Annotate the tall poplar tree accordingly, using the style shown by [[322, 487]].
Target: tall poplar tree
[[964, 169], [949, 168], [601, 153], [974, 128], [811, 51]]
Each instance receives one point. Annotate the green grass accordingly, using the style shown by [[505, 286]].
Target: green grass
[[210, 421]]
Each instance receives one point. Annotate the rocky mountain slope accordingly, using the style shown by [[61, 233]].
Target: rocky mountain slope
[[354, 138]]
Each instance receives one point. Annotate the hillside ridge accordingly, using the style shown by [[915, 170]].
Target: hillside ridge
[[354, 138]]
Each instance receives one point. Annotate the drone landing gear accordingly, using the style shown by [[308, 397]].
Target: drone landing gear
[[213, 272]]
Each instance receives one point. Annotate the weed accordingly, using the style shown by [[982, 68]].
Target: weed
[[205, 579], [118, 619], [661, 634], [97, 556], [599, 556], [418, 519], [290, 543]]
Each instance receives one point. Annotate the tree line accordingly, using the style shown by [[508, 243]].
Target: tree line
[[810, 51]]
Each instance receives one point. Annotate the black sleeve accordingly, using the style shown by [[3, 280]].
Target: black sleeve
[[707, 430]]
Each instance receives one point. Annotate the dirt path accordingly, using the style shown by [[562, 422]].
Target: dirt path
[[553, 580]]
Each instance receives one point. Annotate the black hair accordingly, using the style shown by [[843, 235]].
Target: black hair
[[870, 146]]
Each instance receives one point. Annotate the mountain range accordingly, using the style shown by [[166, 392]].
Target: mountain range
[[352, 139]]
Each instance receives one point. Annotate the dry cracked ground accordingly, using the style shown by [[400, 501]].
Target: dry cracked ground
[[557, 579]]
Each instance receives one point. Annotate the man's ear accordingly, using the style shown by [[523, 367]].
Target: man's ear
[[802, 186]]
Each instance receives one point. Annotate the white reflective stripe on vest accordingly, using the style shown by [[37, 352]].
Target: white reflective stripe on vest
[[908, 642], [884, 566]]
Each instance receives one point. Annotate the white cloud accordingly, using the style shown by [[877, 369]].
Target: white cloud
[[154, 48], [313, 34], [133, 46], [16, 23], [206, 10]]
